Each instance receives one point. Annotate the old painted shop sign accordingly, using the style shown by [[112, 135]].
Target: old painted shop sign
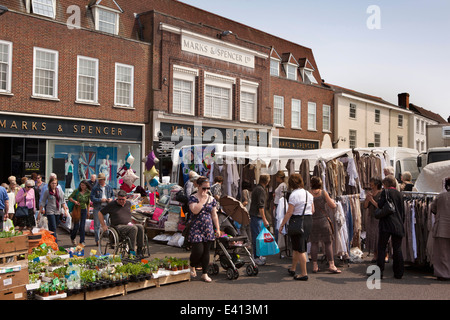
[[12, 124], [193, 134]]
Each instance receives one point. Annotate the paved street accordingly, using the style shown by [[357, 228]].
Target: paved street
[[274, 283]]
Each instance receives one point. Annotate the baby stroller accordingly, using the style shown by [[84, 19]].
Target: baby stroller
[[231, 250]]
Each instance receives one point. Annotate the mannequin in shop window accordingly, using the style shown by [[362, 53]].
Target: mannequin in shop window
[[70, 184]]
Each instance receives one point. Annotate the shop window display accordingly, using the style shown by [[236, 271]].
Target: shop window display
[[82, 160]]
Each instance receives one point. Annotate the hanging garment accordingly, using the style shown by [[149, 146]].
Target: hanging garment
[[290, 166], [304, 171]]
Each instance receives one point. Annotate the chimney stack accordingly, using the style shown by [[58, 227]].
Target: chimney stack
[[403, 100]]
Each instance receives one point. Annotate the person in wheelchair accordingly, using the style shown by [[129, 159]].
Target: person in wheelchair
[[120, 216]]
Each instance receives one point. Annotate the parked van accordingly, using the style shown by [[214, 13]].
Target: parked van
[[403, 159]]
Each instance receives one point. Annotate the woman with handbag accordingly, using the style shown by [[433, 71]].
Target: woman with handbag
[[25, 200], [202, 220], [391, 215], [322, 228], [52, 203], [299, 215], [81, 199]]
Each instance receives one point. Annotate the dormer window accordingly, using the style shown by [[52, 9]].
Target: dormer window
[[106, 19], [274, 67], [291, 71], [274, 63], [46, 8], [290, 66], [306, 70], [309, 77]]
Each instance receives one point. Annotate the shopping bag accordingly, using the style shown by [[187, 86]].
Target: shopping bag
[[266, 244], [8, 225]]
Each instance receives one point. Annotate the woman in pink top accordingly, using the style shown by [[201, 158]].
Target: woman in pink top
[[25, 197]]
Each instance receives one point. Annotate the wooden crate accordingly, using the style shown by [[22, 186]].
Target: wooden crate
[[103, 293], [13, 244], [132, 286], [13, 257], [14, 293], [76, 297], [174, 278]]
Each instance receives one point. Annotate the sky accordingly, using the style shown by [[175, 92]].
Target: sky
[[377, 47]]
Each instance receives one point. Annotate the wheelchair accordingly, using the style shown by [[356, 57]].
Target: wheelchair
[[113, 242]]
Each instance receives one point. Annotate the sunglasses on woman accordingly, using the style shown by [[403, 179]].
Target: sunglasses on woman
[[206, 188]]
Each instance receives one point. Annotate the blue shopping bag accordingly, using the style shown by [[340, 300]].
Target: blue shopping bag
[[266, 244]]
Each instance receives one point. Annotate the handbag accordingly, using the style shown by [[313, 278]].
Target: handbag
[[266, 244], [70, 204], [388, 208], [295, 227], [22, 211], [76, 214]]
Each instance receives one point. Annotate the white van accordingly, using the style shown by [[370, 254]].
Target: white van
[[403, 159]]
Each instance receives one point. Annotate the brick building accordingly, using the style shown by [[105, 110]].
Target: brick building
[[145, 68], [74, 99]]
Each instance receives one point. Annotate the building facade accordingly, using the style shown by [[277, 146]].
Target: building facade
[[362, 121], [85, 82], [419, 120], [73, 89]]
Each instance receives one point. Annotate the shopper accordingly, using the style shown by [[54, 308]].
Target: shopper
[[53, 205], [203, 220], [440, 258], [13, 186], [391, 227], [244, 229], [119, 212], [26, 198], [190, 187], [81, 198], [371, 204], [322, 230], [279, 192], [92, 181], [257, 213], [216, 188], [101, 195], [390, 171], [300, 202], [407, 184], [4, 206]]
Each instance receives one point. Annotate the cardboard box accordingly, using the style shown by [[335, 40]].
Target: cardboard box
[[14, 293], [14, 279], [12, 244]]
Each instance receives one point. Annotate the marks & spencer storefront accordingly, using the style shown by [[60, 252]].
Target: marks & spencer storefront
[[72, 148]]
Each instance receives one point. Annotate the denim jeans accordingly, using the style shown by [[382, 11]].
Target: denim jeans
[[255, 228], [97, 223], [53, 221], [79, 226]]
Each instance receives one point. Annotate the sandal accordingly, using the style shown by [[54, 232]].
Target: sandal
[[335, 271], [206, 278], [193, 273], [315, 270], [292, 273]]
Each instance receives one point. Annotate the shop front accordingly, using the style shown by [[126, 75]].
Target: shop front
[[74, 149]]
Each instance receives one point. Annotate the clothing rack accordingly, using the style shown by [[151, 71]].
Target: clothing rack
[[417, 194]]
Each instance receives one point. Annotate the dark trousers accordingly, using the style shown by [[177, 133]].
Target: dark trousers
[[79, 226], [135, 232], [398, 264], [200, 255], [53, 222]]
